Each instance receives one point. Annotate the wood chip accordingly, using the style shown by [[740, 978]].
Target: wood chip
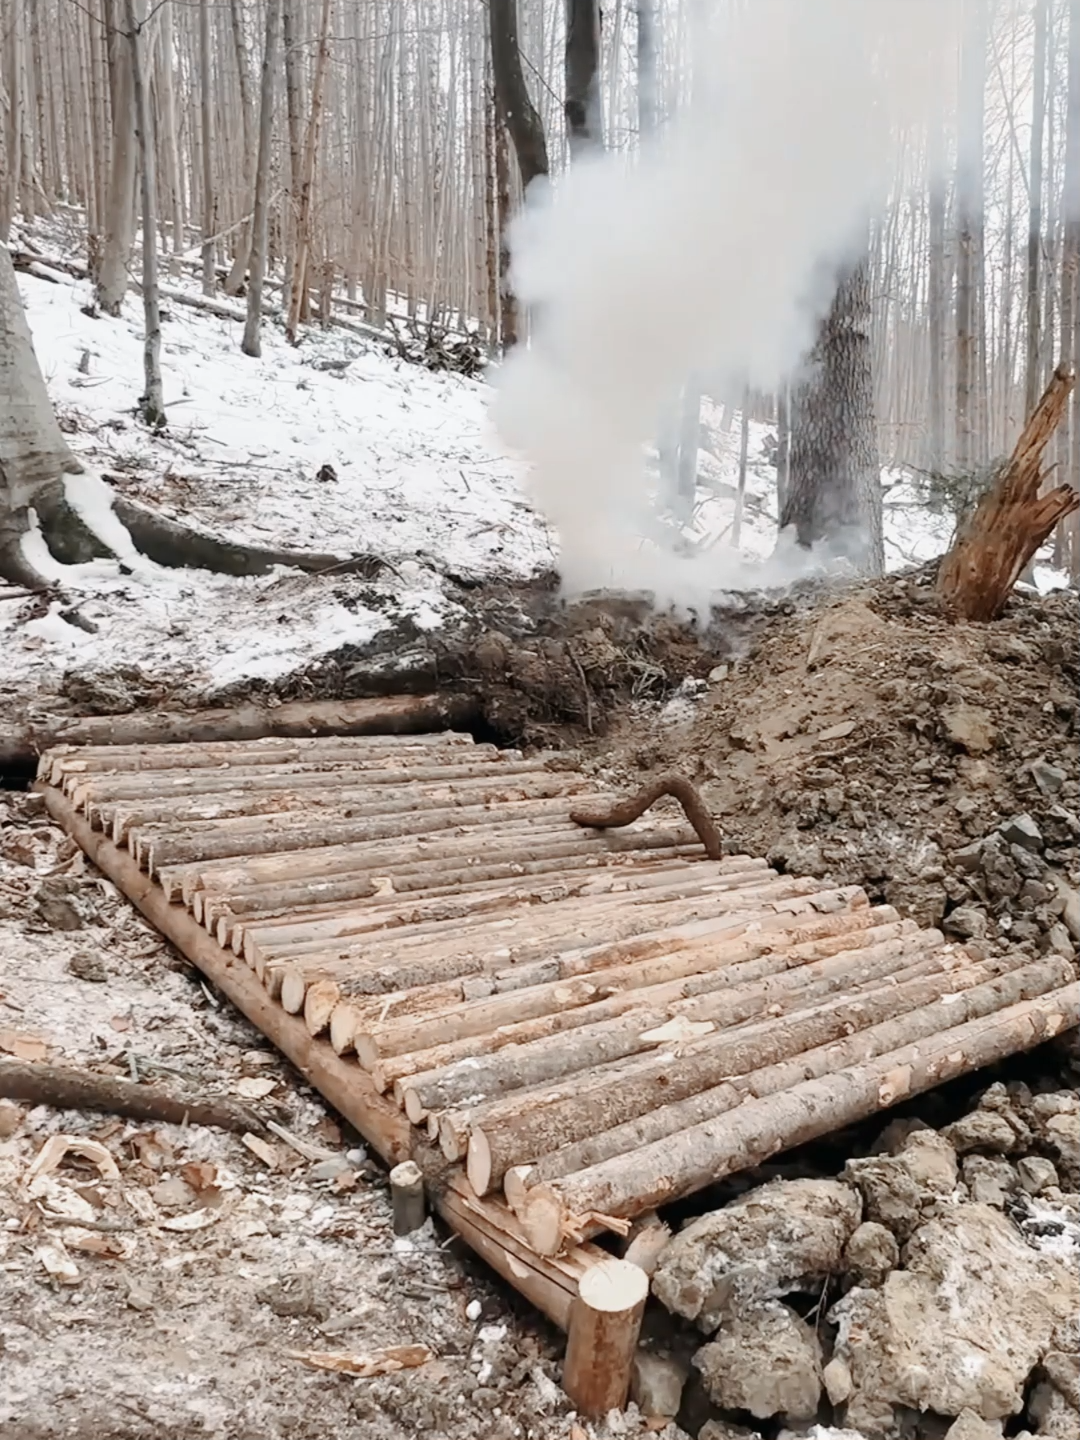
[[106, 1247], [57, 1263], [199, 1174], [193, 1220], [378, 1362], [255, 1087], [261, 1149], [677, 1030], [23, 1047], [57, 1146]]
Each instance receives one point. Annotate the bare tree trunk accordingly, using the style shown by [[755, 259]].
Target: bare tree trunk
[[1033, 370], [151, 402], [646, 67], [783, 447], [206, 80], [112, 276], [508, 304], [512, 95], [291, 42], [251, 344], [584, 122], [834, 498], [936, 318], [744, 448], [307, 180], [234, 281], [969, 203]]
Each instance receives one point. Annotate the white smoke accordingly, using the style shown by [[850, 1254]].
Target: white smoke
[[716, 251]]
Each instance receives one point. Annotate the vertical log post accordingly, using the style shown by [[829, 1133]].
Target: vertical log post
[[407, 1197], [605, 1322]]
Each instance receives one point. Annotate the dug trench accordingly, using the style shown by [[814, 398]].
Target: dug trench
[[851, 733]]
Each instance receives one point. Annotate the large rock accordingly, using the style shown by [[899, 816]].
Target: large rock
[[961, 1327], [783, 1236], [897, 1189], [766, 1360], [656, 1383]]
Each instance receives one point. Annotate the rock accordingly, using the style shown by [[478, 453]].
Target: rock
[[982, 1130], [1021, 830], [1055, 1118], [11, 1117], [329, 1169], [871, 1253], [774, 1239], [895, 1134], [291, 1296], [967, 922], [172, 1194], [1060, 826], [1063, 1372], [725, 1430], [1000, 875], [969, 727], [968, 859], [970, 1426], [896, 1188], [86, 966], [962, 1326], [656, 1384], [1052, 1413], [837, 1378], [1036, 1173], [1070, 914], [1030, 865], [1059, 941], [990, 1180], [1049, 778], [61, 902], [766, 1360]]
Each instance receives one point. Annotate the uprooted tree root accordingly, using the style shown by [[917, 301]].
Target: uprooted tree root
[[627, 811]]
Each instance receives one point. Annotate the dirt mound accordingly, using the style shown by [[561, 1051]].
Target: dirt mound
[[871, 740]]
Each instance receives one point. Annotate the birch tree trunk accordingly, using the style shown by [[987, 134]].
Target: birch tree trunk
[[234, 281], [151, 402], [834, 496], [206, 78], [251, 344]]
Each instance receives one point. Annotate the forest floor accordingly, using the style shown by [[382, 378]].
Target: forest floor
[[843, 730]]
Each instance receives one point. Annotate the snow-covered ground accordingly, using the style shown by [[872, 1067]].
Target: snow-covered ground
[[333, 446]]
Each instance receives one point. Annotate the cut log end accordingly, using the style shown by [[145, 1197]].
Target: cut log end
[[319, 1001], [544, 1219], [342, 1027], [478, 1163], [292, 992], [407, 1197], [516, 1187], [414, 1107], [605, 1322]]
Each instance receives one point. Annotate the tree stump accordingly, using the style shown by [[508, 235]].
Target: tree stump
[[1012, 519], [604, 1325]]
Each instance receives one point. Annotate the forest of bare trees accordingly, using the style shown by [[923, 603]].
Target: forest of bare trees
[[343, 161]]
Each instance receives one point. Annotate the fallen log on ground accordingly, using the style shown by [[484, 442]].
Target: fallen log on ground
[[1011, 520], [67, 1088], [398, 713], [682, 1163]]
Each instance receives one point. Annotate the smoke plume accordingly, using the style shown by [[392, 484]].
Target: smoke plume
[[714, 250]]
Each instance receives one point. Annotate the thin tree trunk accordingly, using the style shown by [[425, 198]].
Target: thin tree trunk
[[234, 282], [1033, 369], [307, 180], [151, 402], [646, 67], [516, 109], [251, 344], [969, 201], [206, 80], [834, 499]]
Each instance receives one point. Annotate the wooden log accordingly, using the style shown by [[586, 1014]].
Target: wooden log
[[559, 1042], [653, 984], [399, 713], [625, 812], [344, 1085], [490, 1229], [1011, 520], [522, 1126], [370, 780], [678, 1165], [1009, 982], [64, 1087], [407, 1197], [604, 1327]]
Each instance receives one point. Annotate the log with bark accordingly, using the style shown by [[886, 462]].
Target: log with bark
[[746, 1136], [1012, 520], [627, 811], [64, 1087]]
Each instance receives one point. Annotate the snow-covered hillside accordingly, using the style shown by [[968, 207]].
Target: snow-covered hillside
[[332, 446]]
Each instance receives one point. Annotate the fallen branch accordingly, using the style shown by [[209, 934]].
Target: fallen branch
[[625, 812], [1012, 519], [64, 1087]]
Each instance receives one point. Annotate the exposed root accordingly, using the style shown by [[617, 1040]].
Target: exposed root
[[625, 812]]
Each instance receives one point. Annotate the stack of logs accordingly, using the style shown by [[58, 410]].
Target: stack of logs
[[593, 1022]]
